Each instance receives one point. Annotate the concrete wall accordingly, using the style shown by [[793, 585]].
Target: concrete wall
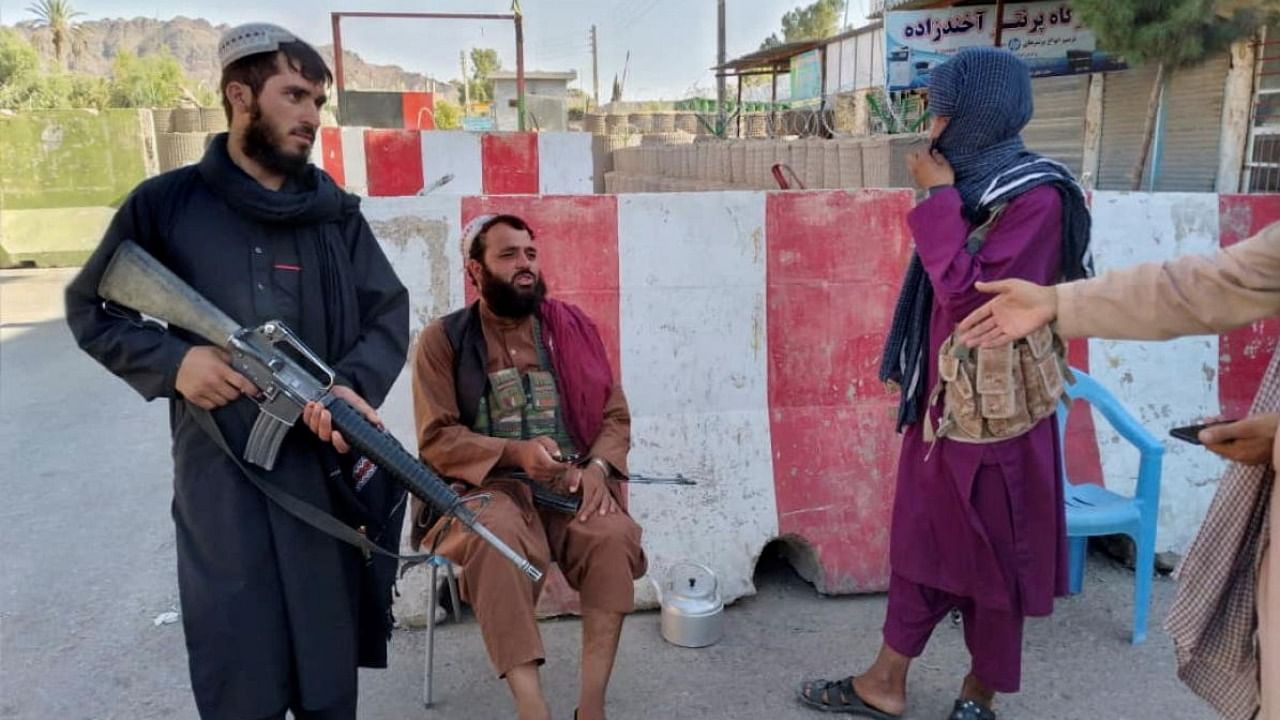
[[548, 98], [61, 172], [390, 163], [871, 162], [751, 368]]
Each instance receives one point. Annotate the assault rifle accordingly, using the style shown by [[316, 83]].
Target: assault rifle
[[570, 504], [288, 375]]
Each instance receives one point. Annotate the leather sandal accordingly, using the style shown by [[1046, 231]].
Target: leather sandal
[[839, 697], [970, 710]]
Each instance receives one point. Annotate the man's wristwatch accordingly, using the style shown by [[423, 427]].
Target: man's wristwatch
[[603, 465]]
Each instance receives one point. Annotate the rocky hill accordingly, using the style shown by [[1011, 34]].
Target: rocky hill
[[193, 43]]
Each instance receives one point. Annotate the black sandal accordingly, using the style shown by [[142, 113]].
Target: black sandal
[[839, 697], [970, 710]]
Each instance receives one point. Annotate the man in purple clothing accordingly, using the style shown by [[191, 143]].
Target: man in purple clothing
[[976, 527]]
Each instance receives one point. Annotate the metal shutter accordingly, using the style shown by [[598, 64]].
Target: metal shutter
[[1192, 126], [1057, 129], [1124, 108]]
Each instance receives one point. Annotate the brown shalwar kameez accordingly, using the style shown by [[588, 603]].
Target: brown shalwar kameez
[[599, 558]]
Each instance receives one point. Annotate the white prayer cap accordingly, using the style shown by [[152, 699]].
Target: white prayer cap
[[470, 232], [251, 39]]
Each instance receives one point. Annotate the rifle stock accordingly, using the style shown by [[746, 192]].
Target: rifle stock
[[138, 281]]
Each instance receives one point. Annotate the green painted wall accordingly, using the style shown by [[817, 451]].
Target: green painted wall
[[69, 158], [61, 174]]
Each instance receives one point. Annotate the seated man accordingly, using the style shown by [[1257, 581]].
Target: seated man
[[512, 384]]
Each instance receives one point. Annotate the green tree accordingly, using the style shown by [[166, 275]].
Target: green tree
[[811, 22], [152, 81], [206, 96], [87, 91], [24, 87], [36, 92], [18, 59], [21, 84], [1170, 34], [448, 115], [59, 16], [484, 62]]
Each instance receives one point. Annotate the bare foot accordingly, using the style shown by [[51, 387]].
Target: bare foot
[[879, 692], [974, 690], [872, 694]]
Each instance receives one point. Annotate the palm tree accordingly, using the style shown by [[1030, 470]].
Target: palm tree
[[58, 16]]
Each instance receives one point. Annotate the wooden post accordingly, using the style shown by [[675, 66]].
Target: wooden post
[[999, 23], [1148, 128], [1093, 132], [721, 130], [738, 110], [1237, 111], [773, 101]]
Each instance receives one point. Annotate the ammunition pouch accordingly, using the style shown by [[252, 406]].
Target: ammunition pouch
[[994, 394]]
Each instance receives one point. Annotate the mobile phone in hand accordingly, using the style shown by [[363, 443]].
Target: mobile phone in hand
[[1191, 433]]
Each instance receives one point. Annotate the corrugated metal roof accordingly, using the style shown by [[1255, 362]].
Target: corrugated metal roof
[[770, 57]]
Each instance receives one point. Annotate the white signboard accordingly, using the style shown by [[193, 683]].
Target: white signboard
[[1049, 36]]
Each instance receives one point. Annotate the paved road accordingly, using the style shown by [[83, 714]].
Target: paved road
[[88, 564]]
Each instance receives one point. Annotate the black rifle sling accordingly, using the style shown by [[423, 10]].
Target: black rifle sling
[[295, 506]]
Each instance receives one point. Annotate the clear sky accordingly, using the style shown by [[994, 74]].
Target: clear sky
[[672, 42]]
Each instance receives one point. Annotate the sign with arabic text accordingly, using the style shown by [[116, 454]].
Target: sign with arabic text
[[1048, 36]]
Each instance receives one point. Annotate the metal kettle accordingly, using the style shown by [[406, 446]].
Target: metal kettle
[[692, 609]]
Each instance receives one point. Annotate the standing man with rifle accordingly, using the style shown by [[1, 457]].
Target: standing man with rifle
[[277, 615], [505, 391]]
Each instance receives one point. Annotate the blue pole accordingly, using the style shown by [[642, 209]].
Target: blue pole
[[1157, 143]]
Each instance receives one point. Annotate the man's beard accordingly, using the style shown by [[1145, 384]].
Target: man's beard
[[508, 301], [261, 145]]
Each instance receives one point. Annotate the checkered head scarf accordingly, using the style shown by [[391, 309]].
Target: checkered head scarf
[[986, 95]]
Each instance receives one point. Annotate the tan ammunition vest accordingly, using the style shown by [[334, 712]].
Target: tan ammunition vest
[[995, 394], [521, 407]]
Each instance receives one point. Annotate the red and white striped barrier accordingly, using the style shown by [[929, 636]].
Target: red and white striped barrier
[[747, 328], [394, 163]]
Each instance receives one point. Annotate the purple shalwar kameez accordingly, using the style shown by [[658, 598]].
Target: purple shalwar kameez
[[978, 528]]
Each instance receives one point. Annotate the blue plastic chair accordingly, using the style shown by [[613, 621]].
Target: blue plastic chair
[[1094, 510]]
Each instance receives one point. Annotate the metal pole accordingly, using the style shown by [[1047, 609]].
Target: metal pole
[[720, 59], [339, 77], [466, 83], [438, 16], [519, 73], [433, 601], [999, 23]]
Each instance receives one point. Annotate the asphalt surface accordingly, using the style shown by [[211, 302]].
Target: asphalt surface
[[88, 568]]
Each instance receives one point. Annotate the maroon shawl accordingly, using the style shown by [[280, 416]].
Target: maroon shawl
[[581, 366]]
